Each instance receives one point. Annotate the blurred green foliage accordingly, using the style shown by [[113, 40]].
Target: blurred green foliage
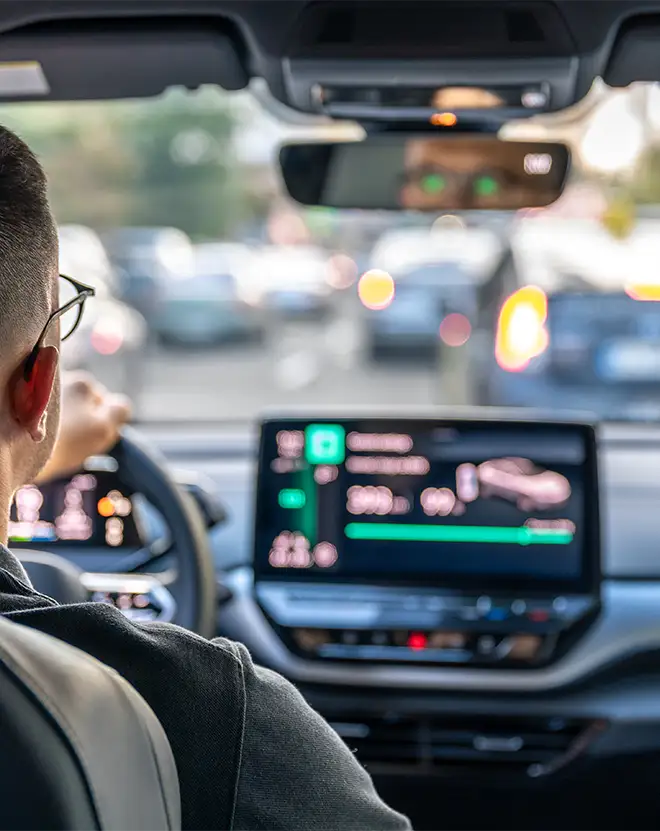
[[165, 161], [644, 187]]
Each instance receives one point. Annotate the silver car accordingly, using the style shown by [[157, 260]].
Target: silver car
[[213, 305]]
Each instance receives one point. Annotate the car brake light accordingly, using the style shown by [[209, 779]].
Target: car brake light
[[521, 333], [643, 291]]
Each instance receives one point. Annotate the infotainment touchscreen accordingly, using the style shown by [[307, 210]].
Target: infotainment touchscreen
[[450, 502]]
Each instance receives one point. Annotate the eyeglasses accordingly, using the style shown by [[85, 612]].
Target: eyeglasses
[[480, 184], [72, 301]]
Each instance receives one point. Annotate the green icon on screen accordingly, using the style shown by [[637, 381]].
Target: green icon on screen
[[291, 498], [325, 444]]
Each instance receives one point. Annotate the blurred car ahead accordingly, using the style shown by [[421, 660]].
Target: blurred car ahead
[[291, 281], [148, 259], [437, 273], [591, 352], [111, 339], [425, 296], [583, 328], [212, 305]]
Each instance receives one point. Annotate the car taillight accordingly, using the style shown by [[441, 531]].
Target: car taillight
[[643, 291], [521, 332]]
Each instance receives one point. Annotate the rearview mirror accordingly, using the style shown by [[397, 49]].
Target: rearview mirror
[[426, 173]]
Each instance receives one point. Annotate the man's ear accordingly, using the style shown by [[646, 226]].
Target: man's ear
[[29, 399]]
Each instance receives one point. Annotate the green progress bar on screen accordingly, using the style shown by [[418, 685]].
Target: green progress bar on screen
[[516, 535]]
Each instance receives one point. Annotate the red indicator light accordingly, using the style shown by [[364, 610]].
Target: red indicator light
[[417, 641], [539, 616]]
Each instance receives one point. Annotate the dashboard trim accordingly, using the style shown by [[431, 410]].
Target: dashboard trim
[[629, 623], [133, 584]]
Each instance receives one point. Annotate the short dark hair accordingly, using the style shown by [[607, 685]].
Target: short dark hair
[[28, 237]]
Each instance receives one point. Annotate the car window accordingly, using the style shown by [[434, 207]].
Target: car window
[[174, 209]]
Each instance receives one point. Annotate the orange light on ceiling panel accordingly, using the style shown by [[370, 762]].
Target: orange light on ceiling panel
[[466, 98], [521, 333], [644, 292], [444, 119]]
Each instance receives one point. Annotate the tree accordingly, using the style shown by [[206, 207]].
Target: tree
[[165, 161]]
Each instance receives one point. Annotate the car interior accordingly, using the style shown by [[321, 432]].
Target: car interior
[[399, 435]]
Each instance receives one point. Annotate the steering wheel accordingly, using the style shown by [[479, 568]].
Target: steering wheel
[[192, 588]]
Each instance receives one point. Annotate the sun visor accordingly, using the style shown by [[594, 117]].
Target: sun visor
[[635, 55], [129, 58]]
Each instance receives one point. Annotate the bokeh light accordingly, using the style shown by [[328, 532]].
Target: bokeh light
[[521, 333], [646, 292], [376, 289], [443, 119], [342, 271], [448, 221], [455, 330], [614, 138]]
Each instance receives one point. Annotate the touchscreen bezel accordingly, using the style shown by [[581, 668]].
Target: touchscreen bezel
[[588, 582]]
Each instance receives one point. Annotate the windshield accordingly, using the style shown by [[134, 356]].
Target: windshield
[[219, 299]]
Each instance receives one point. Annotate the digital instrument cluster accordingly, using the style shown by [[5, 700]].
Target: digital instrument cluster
[[380, 537], [89, 509]]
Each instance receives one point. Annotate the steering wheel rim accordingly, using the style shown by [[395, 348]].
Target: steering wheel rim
[[144, 469]]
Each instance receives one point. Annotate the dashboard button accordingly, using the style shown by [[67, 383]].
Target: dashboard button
[[310, 639], [380, 638], [486, 645], [497, 613], [435, 604], [518, 607], [447, 640], [524, 647], [350, 637]]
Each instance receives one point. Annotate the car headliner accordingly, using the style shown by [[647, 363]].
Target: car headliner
[[159, 43]]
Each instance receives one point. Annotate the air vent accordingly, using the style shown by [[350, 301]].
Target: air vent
[[535, 746], [417, 29]]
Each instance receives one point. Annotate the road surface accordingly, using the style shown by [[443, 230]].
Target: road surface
[[313, 363]]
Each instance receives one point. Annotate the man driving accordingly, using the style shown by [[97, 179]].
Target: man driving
[[250, 753]]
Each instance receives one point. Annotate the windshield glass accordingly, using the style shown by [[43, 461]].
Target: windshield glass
[[217, 298]]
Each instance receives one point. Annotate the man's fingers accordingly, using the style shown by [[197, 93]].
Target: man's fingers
[[114, 412], [84, 385], [79, 382], [120, 409]]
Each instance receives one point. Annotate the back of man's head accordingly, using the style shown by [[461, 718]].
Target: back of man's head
[[29, 406], [28, 250]]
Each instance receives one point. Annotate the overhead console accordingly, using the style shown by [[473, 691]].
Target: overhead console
[[391, 61], [427, 541]]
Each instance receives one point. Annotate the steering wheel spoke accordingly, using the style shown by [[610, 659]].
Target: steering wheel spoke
[[140, 597]]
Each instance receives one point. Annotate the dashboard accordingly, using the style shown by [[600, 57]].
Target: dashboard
[[427, 541], [89, 509], [545, 739]]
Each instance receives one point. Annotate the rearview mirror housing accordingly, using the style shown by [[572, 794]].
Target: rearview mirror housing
[[426, 172]]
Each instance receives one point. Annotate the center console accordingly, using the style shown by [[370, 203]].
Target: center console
[[454, 542]]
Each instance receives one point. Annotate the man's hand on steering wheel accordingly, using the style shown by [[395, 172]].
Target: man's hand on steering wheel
[[90, 423]]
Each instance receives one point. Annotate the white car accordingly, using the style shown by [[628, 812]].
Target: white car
[[112, 337], [291, 281]]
